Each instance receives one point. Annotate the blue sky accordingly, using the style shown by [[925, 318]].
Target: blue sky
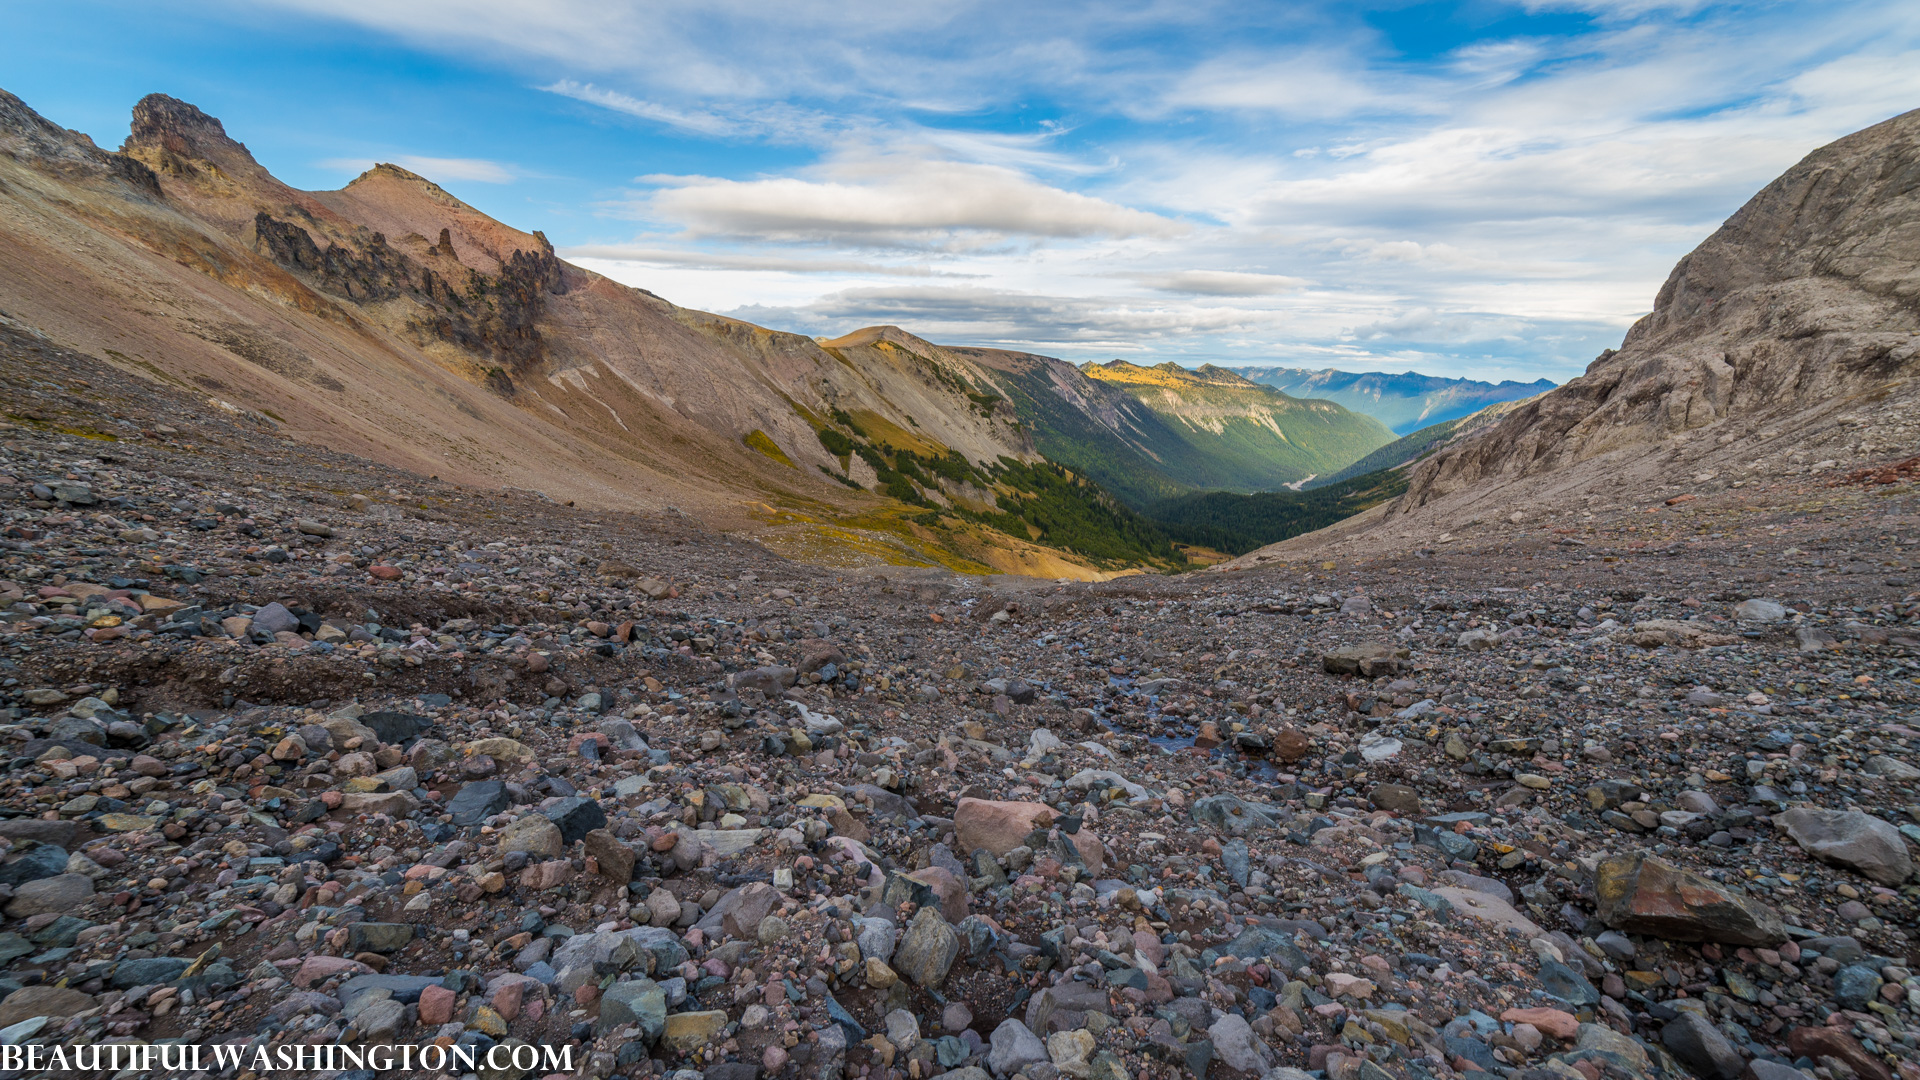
[[1484, 189]]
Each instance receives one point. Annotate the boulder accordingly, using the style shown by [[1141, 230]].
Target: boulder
[[1832, 1042], [1758, 611], [576, 817], [1013, 1047], [997, 826], [1850, 838], [1639, 894], [1371, 659], [1231, 813], [29, 1002], [927, 949], [478, 801], [55, 895], [533, 834]]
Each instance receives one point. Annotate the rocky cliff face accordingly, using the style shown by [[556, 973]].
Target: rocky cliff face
[[1783, 348], [1804, 298]]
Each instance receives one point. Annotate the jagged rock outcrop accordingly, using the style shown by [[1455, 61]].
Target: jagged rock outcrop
[[1806, 295]]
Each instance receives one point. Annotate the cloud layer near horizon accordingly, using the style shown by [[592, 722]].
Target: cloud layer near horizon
[[1490, 190]]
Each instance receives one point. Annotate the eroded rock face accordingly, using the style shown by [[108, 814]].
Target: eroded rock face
[[1644, 895], [1850, 838]]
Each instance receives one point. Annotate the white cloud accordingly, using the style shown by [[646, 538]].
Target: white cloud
[[1222, 283], [896, 200], [774, 121], [437, 169], [986, 316], [715, 260]]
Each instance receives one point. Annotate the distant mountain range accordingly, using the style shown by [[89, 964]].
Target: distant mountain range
[[1404, 402], [1152, 433]]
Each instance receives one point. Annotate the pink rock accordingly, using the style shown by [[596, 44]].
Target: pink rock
[[772, 1060], [1341, 984], [1560, 1025], [716, 967], [506, 1000], [436, 1006], [951, 891], [998, 826], [547, 875], [319, 968], [331, 799], [535, 1009]]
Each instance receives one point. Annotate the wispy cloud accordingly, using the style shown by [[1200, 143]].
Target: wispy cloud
[[774, 121], [433, 168]]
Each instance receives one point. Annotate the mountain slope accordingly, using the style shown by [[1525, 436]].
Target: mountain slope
[[1251, 437], [1784, 346], [1410, 448], [389, 319], [1405, 402]]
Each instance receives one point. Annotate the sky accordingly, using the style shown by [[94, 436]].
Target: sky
[[1476, 189]]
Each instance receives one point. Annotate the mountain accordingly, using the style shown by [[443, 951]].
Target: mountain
[[390, 320], [1410, 448], [1209, 429], [1405, 402], [1782, 351]]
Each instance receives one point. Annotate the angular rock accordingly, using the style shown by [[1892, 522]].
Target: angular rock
[[1013, 1047], [49, 896], [1640, 894], [533, 834], [478, 801], [997, 826], [614, 858], [1371, 659], [638, 1001], [1231, 813], [31, 1001], [576, 817], [1817, 1042], [927, 949], [1850, 838]]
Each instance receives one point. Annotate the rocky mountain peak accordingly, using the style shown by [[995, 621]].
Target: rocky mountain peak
[[174, 133], [385, 173], [26, 134]]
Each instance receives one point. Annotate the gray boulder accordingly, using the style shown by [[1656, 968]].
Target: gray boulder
[[1759, 611], [1701, 1047], [1012, 1048], [1231, 813], [1235, 1044], [1850, 838]]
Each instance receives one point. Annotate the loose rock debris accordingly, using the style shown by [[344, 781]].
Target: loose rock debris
[[304, 751]]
